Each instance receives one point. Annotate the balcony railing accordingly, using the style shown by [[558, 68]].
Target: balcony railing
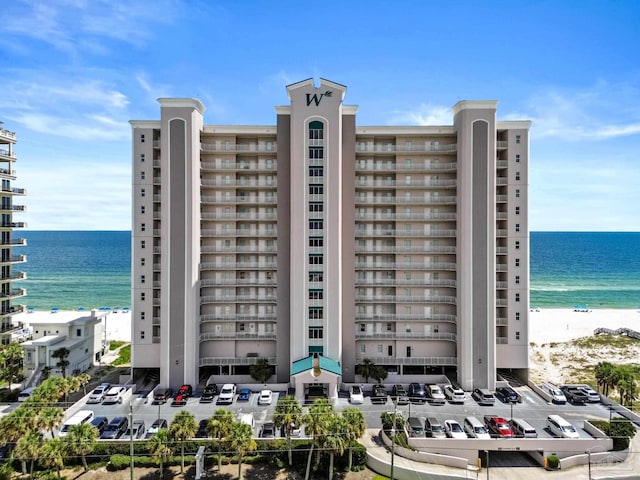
[[400, 183], [237, 298], [207, 361], [238, 216], [237, 266], [405, 233], [238, 249], [400, 249], [389, 147], [417, 317], [410, 360], [405, 266], [239, 183], [214, 282], [237, 317], [452, 337], [7, 134], [245, 199], [236, 336], [239, 147], [14, 259], [362, 166], [414, 199], [420, 282], [14, 293], [415, 299], [234, 166], [7, 153], [406, 216], [240, 233]]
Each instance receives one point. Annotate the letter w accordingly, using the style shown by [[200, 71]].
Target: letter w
[[314, 98]]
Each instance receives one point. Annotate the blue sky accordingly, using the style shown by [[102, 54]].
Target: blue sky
[[76, 71]]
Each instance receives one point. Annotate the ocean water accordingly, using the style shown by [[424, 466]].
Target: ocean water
[[92, 269]]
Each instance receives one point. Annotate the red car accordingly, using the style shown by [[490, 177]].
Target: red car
[[179, 401], [498, 426], [185, 391]]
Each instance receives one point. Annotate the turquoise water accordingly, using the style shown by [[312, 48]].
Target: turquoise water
[[92, 269]]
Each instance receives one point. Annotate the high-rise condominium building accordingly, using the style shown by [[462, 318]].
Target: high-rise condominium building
[[8, 258], [318, 238]]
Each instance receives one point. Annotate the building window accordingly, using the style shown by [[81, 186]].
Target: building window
[[316, 130], [316, 224], [315, 332], [316, 153], [517, 138], [142, 296], [517, 262], [78, 332], [379, 348], [142, 157], [517, 210], [517, 193], [316, 313], [141, 334], [517, 176], [517, 158], [142, 315], [518, 316], [517, 227], [143, 243], [363, 348], [316, 206], [316, 241], [316, 171], [362, 327], [142, 192], [517, 297], [142, 209], [241, 327], [316, 189], [517, 335], [142, 175], [142, 138], [143, 227], [142, 278], [517, 279], [315, 276], [316, 294], [517, 244], [408, 351]]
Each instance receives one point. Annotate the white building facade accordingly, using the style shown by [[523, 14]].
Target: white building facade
[[404, 245]]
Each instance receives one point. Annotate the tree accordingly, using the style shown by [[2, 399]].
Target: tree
[[335, 439], [288, 413], [379, 373], [365, 369], [219, 427], [261, 371], [159, 447], [52, 454], [317, 421], [28, 449], [50, 418], [626, 384], [62, 355], [183, 427], [355, 426], [81, 440], [84, 379], [605, 374], [241, 440], [11, 358]]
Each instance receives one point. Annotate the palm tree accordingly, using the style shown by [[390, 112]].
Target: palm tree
[[355, 426], [84, 379], [241, 440], [159, 446], [81, 440], [50, 418], [626, 384], [219, 427], [288, 414], [261, 371], [62, 355], [604, 373], [28, 449], [316, 421], [334, 442], [366, 369], [11, 358], [53, 453], [183, 427], [379, 373]]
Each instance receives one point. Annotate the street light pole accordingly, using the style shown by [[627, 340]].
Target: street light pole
[[131, 436], [589, 460], [393, 435]]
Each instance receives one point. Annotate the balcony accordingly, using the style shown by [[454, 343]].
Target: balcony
[[401, 282], [501, 145], [406, 216], [406, 200], [237, 299], [220, 182], [12, 310], [239, 147], [244, 199], [254, 281], [237, 317], [12, 208], [446, 361], [238, 216], [234, 166], [243, 232], [13, 294], [405, 233], [13, 259], [237, 266], [236, 336], [405, 266], [7, 154], [8, 173], [208, 361], [238, 249], [414, 299], [14, 191], [400, 183], [417, 317], [362, 166], [451, 337], [401, 249], [13, 225], [432, 147], [7, 134]]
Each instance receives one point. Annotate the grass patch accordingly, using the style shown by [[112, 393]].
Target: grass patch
[[555, 358], [601, 341], [124, 356], [114, 344]]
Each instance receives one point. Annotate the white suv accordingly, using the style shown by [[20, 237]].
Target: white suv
[[226, 394], [559, 427]]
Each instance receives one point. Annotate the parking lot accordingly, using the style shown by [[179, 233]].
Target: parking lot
[[533, 409]]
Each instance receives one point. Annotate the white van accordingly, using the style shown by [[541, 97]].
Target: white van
[[475, 428], [521, 428], [26, 393], [556, 394], [559, 427], [247, 418], [78, 418]]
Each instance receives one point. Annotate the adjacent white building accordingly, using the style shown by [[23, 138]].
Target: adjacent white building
[[316, 236]]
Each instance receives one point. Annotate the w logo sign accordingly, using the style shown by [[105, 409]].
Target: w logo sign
[[315, 98]]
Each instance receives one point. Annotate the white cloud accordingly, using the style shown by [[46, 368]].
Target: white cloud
[[425, 114]]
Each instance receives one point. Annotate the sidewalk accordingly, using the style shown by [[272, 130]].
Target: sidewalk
[[379, 460]]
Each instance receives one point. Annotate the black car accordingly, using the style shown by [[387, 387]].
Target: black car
[[399, 395], [268, 430], [208, 393], [100, 423], [416, 393], [378, 394], [508, 395], [162, 395], [202, 429], [115, 429]]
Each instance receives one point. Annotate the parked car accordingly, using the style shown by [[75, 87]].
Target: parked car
[[208, 393], [115, 429], [100, 423], [155, 426], [97, 395], [265, 398], [559, 427], [114, 395], [355, 395], [296, 431], [179, 401], [379, 394], [592, 395], [268, 430], [475, 428], [453, 394], [483, 396], [574, 394], [416, 393], [202, 429], [415, 427], [162, 395], [452, 429], [227, 392], [399, 395], [508, 395], [433, 428], [135, 431], [498, 426], [244, 395], [555, 393], [434, 394], [185, 390]]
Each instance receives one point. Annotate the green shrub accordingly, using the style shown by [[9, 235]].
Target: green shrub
[[621, 431], [553, 462]]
